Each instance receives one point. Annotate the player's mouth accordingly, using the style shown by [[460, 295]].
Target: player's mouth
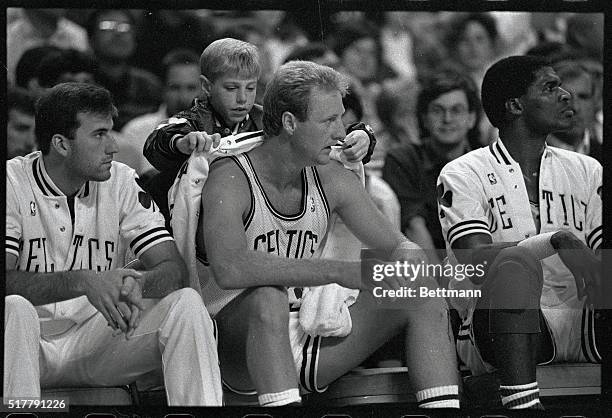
[[568, 112]]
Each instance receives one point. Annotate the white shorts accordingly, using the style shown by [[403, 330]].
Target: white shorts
[[572, 333], [305, 349]]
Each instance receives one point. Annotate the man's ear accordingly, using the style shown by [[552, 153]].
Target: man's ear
[[514, 106], [289, 122], [205, 83], [61, 144]]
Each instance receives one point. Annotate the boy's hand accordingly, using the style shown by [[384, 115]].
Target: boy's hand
[[355, 146], [200, 141]]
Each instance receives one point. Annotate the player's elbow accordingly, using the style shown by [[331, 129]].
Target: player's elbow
[[228, 271]]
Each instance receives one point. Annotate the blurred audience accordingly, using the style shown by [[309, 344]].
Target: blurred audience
[[181, 86], [135, 91], [473, 44], [187, 30], [20, 139], [66, 65], [448, 113], [582, 137], [396, 108], [26, 72], [38, 27]]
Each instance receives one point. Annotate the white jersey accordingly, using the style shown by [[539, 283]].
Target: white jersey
[[484, 192], [267, 230], [109, 218]]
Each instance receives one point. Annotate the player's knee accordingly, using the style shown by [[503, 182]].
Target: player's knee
[[515, 280], [435, 310], [19, 308], [189, 299], [269, 308]]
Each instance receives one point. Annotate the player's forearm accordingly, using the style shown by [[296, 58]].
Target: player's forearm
[[43, 288], [252, 269], [164, 278]]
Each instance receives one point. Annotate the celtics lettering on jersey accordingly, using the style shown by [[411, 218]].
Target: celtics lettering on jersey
[[292, 243], [85, 253]]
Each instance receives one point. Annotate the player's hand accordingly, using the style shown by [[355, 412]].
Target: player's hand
[[131, 292], [200, 141], [103, 290], [355, 146], [582, 262]]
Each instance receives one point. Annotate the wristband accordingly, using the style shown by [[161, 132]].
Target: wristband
[[539, 245], [370, 132]]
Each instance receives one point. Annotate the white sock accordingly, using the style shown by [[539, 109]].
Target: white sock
[[439, 397], [280, 398], [521, 396]]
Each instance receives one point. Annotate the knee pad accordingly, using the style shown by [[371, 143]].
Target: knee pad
[[512, 291]]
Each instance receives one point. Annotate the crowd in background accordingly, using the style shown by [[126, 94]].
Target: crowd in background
[[149, 62]]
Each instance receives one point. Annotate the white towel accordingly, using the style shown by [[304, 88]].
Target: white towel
[[324, 310]]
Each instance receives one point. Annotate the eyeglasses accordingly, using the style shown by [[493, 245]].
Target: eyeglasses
[[112, 25], [454, 111]]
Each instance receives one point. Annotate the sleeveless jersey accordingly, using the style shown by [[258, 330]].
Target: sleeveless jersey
[[268, 230]]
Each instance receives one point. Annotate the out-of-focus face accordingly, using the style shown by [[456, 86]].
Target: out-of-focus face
[[322, 128], [475, 49], [80, 77], [448, 118], [360, 59], [182, 85], [583, 102], [20, 137], [233, 97], [92, 148], [547, 107], [114, 38]]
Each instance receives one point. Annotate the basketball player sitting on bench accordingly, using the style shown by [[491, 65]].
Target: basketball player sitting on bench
[[518, 189], [71, 214], [257, 208]]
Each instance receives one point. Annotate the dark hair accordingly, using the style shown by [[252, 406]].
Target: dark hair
[[349, 33], [180, 56], [91, 25], [57, 109], [352, 101], [20, 99], [54, 64], [307, 52], [506, 79], [457, 27], [442, 83], [27, 66]]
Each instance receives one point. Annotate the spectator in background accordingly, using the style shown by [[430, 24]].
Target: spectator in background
[[473, 44], [26, 72], [396, 108], [581, 137], [181, 86], [448, 112], [160, 31], [20, 139], [135, 91], [38, 27], [66, 65], [357, 46], [316, 52]]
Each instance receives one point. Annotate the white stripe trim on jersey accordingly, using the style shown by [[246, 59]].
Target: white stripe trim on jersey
[[148, 239], [499, 153], [589, 347], [276, 213], [465, 228], [595, 237], [12, 245]]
